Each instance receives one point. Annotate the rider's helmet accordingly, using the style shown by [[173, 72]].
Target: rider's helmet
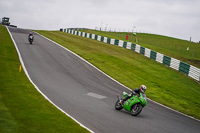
[[143, 88]]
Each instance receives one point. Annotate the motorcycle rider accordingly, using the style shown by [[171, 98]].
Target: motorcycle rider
[[30, 34], [136, 91]]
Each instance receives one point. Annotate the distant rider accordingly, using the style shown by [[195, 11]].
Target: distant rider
[[30, 34], [136, 91]]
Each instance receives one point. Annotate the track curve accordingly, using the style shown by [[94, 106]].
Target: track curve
[[87, 94]]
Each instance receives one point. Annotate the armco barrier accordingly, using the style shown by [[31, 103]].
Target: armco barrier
[[194, 73], [124, 44], [166, 60], [175, 64], [180, 66], [184, 68], [147, 52], [142, 50], [153, 55]]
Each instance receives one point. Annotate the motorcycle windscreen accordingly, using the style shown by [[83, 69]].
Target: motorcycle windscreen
[[143, 99]]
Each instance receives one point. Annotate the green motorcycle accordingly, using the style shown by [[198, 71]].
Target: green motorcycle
[[133, 104]]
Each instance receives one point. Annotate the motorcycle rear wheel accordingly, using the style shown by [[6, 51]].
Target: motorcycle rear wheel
[[118, 105], [136, 109], [30, 41]]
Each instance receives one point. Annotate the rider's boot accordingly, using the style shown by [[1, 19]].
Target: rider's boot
[[121, 102]]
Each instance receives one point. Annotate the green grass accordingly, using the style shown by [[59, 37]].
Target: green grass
[[165, 85], [169, 46], [22, 108]]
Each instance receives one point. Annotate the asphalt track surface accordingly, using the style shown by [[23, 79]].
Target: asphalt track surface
[[88, 95]]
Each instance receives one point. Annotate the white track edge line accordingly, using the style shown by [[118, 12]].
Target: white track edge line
[[114, 79], [23, 66]]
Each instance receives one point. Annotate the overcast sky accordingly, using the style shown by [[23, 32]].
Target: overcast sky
[[175, 18]]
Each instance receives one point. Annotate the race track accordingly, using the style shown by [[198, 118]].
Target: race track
[[87, 94]]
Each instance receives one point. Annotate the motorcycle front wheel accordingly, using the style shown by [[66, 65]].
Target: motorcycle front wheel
[[118, 105], [136, 109]]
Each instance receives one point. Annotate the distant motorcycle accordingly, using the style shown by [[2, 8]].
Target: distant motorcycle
[[133, 105], [30, 38]]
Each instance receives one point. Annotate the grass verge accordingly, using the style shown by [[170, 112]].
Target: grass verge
[[22, 108], [169, 46], [165, 85]]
